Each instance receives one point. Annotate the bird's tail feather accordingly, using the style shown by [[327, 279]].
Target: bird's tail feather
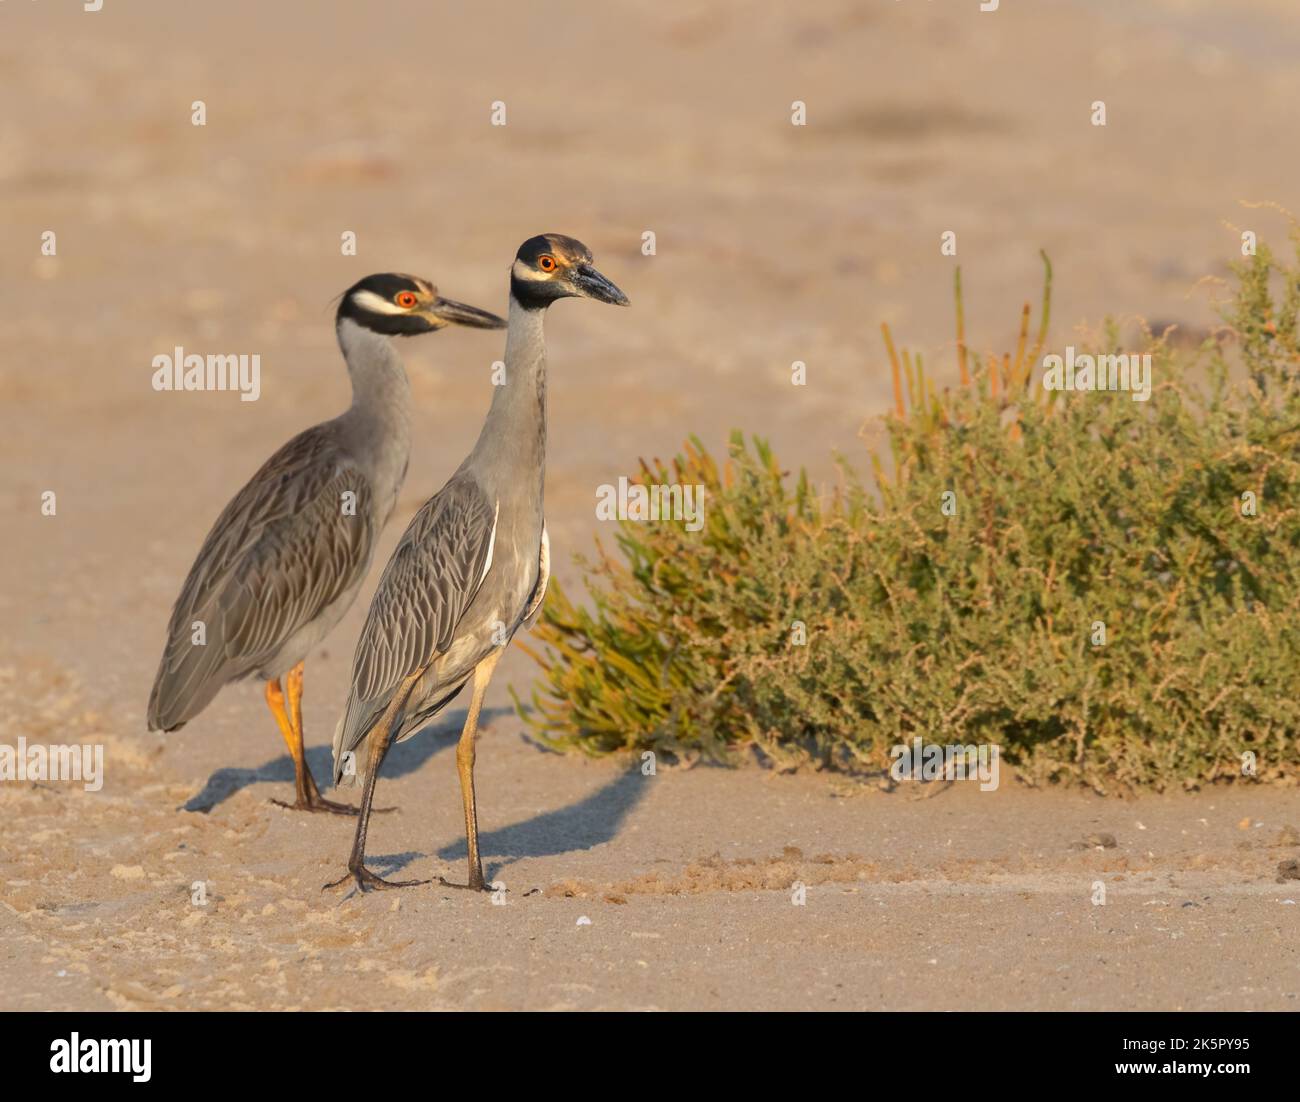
[[187, 680], [351, 753], [345, 771]]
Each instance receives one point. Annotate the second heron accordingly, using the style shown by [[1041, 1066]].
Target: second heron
[[471, 568]]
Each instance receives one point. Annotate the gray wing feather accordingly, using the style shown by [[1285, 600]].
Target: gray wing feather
[[534, 608], [279, 554], [425, 589]]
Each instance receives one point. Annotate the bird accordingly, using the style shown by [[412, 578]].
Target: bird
[[471, 568], [286, 556]]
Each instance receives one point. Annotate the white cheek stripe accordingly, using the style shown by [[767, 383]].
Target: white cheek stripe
[[531, 275], [368, 300], [492, 542]]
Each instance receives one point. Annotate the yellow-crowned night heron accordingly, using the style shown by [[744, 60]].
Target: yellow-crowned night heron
[[471, 568], [284, 560]]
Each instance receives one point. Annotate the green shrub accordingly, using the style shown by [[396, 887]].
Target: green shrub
[[977, 627]]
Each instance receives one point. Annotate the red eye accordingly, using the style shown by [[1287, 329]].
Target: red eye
[[405, 299], [547, 263]]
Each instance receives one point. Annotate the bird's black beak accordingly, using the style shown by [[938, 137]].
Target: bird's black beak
[[450, 312], [591, 284]]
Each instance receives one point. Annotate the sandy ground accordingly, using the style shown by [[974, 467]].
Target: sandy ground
[[687, 882], [775, 244]]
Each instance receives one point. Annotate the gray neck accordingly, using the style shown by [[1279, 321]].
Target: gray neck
[[380, 391], [511, 449], [378, 422]]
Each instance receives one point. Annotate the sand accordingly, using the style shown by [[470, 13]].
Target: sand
[[774, 244]]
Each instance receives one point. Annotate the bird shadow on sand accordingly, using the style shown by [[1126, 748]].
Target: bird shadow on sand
[[403, 758], [591, 821]]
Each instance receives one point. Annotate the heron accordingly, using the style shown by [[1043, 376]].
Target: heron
[[472, 567], [285, 558]]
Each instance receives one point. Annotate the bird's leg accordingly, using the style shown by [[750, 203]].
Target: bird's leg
[[290, 720], [275, 701], [379, 738], [465, 767]]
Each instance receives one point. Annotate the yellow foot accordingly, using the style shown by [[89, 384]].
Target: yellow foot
[[318, 804], [475, 884], [323, 806], [367, 881]]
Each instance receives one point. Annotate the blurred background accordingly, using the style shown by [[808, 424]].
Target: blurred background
[[775, 243]]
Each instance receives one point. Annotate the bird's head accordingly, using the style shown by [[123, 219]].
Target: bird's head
[[399, 305], [552, 266]]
